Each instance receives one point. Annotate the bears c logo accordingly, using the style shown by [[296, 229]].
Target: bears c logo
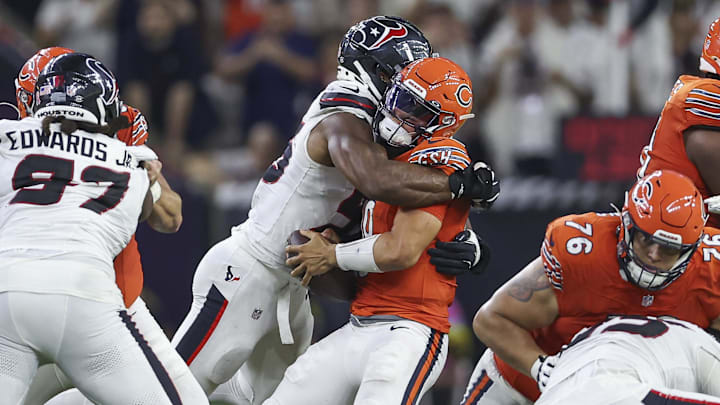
[[463, 94]]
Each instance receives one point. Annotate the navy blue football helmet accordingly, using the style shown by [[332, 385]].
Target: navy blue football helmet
[[79, 87], [377, 48]]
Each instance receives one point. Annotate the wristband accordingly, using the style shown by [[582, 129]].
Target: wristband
[[357, 255], [155, 191]]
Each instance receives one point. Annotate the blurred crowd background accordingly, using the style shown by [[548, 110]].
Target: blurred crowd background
[[566, 94]]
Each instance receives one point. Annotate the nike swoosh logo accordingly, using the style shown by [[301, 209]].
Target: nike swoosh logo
[[435, 140], [354, 90], [398, 327]]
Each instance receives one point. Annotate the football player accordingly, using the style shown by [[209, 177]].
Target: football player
[[247, 310], [687, 135], [71, 202], [397, 334], [165, 217], [655, 258], [638, 360]]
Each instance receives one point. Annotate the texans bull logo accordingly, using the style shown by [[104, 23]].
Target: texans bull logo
[[377, 31]]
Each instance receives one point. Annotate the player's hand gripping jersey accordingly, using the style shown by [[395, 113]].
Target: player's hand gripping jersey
[[68, 200], [579, 254], [419, 293], [298, 193], [693, 102]]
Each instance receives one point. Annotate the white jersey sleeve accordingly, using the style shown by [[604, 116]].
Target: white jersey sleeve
[[298, 193], [68, 205]]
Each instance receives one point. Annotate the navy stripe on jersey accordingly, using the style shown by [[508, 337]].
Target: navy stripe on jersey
[[330, 99], [705, 93], [155, 364], [699, 101], [202, 327], [660, 398], [703, 113]]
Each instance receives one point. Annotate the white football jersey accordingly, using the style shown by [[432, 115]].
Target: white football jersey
[[298, 193], [68, 205], [661, 352]]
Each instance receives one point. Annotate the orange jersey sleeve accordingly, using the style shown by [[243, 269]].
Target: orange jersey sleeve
[[693, 103], [128, 272], [419, 293], [137, 133]]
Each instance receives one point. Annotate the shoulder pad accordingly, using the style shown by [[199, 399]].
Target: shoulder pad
[[348, 94], [574, 236], [702, 103], [137, 133], [440, 152]]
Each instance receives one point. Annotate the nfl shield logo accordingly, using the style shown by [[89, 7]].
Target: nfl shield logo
[[256, 314], [647, 300]]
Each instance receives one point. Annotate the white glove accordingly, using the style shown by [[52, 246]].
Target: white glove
[[542, 368], [713, 204]]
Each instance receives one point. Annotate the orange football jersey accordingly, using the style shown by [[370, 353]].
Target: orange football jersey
[[579, 254], [419, 293], [693, 102], [128, 267], [137, 133]]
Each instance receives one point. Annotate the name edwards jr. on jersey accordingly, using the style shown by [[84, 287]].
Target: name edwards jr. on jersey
[[82, 145]]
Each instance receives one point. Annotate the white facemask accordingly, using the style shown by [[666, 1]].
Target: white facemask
[[393, 132]]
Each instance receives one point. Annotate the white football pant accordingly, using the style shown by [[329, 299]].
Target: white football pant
[[379, 363], [96, 344], [188, 388], [244, 315], [488, 387]]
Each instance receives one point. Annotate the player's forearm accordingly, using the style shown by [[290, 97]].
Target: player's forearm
[[166, 215], [512, 343], [412, 186], [366, 166], [391, 254], [399, 183]]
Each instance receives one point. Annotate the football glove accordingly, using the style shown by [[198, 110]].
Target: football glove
[[542, 368], [466, 253], [476, 182]]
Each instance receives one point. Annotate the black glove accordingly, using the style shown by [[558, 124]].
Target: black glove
[[466, 253], [477, 182]]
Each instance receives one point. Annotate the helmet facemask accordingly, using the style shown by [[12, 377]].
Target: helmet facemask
[[647, 276]]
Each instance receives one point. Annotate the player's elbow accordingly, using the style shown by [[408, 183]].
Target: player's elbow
[[483, 323]]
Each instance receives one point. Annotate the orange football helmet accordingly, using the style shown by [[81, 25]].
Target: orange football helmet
[[710, 58], [431, 97], [25, 82], [667, 209]]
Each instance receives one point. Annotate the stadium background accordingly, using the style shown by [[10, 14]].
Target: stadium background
[[566, 94]]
